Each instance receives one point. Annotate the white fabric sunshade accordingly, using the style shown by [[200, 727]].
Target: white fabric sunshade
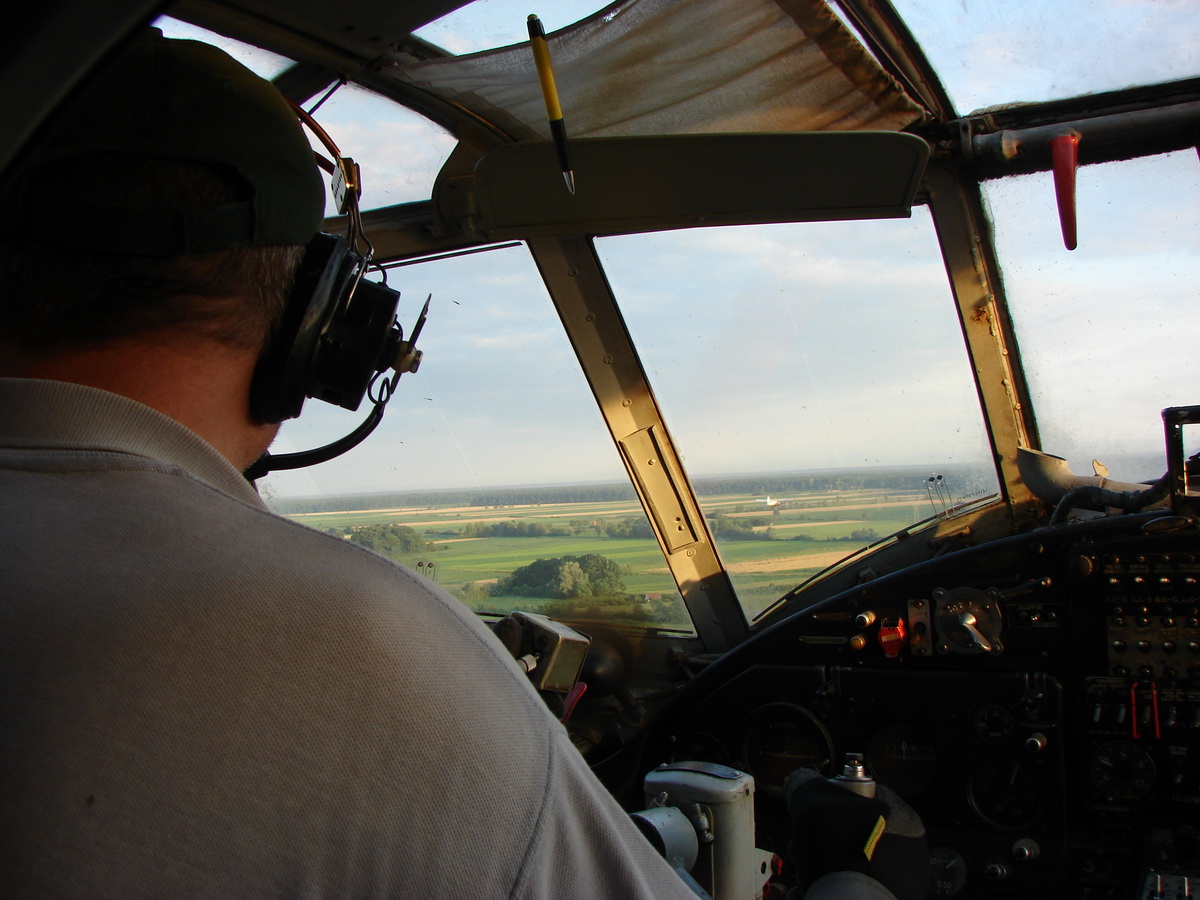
[[646, 67]]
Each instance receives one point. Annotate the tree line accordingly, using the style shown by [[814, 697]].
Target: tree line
[[625, 527], [961, 479]]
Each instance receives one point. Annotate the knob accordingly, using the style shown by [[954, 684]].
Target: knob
[[865, 618], [1026, 849], [1036, 742], [854, 776], [996, 871]]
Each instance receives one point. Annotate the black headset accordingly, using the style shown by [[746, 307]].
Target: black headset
[[332, 336], [338, 334]]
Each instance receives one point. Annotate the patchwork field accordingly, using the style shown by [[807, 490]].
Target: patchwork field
[[767, 550]]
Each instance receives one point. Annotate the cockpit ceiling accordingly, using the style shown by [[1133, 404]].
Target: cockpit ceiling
[[650, 67], [635, 68]]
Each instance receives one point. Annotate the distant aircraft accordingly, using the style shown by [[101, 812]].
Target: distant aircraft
[[772, 502]]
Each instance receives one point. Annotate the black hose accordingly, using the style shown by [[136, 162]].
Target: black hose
[[1095, 497]]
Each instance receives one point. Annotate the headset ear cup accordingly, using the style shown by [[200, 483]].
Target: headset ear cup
[[282, 378]]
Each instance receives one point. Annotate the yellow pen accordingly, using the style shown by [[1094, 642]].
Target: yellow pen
[[541, 58]]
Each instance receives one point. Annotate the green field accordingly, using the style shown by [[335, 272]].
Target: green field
[[767, 550]]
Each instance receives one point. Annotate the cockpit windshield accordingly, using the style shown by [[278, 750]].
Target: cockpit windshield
[[492, 475], [814, 376], [816, 382]]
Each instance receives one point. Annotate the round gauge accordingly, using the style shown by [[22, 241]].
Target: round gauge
[[1007, 792], [902, 756], [1121, 770], [699, 746], [780, 738], [948, 872], [994, 723]]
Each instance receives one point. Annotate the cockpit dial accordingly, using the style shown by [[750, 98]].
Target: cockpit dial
[[778, 739]]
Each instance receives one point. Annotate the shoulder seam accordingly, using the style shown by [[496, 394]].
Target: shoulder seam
[[523, 871]]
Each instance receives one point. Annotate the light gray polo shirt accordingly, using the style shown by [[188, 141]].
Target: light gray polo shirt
[[200, 698]]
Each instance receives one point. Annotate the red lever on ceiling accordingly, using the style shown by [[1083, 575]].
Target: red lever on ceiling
[[1064, 154]]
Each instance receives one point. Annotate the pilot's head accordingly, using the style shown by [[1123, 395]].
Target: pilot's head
[[174, 190]]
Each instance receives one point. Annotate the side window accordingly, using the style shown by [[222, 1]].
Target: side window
[[1106, 331]]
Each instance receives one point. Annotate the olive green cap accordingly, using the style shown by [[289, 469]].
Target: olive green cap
[[188, 101]]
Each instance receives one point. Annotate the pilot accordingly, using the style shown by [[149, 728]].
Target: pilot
[[200, 698]]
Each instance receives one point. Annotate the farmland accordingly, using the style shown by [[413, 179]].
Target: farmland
[[473, 548]]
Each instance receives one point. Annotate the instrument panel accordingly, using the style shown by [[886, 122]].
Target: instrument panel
[[1036, 700]]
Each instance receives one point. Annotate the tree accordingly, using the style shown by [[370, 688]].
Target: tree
[[565, 578], [573, 581], [390, 540]]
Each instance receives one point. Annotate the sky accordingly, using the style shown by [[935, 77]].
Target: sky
[[802, 346], [988, 52]]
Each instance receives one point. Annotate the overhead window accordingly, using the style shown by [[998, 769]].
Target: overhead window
[[399, 151], [988, 54], [259, 61], [487, 24]]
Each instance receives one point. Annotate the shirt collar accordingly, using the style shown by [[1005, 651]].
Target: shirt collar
[[58, 415]]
